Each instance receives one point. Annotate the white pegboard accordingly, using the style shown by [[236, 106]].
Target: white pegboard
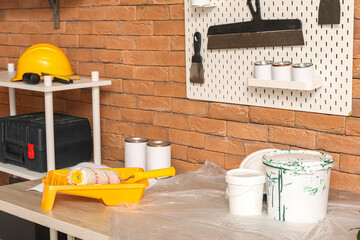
[[329, 48]]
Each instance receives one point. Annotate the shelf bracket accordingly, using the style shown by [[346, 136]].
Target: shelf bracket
[[56, 13]]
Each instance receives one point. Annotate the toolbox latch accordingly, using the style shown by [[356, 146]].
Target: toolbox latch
[[31, 151]]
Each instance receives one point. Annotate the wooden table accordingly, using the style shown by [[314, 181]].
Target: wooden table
[[76, 216], [84, 218]]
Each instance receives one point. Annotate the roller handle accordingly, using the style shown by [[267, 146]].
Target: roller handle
[[165, 172]]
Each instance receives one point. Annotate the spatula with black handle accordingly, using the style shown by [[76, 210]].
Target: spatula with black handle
[[197, 69], [329, 12]]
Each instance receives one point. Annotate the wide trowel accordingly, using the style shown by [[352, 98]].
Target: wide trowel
[[329, 12], [256, 33], [197, 69]]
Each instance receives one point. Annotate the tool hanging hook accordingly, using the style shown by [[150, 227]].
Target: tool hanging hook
[[56, 13]]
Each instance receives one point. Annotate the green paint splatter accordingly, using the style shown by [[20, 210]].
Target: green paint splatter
[[280, 188], [270, 187], [310, 190], [284, 210], [271, 182]]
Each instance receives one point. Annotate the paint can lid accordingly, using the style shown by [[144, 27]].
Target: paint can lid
[[299, 161], [136, 140], [254, 160], [282, 64], [158, 144], [245, 177], [302, 65], [263, 63]]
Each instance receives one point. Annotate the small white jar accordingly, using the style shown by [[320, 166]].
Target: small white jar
[[281, 71], [302, 72], [262, 69]]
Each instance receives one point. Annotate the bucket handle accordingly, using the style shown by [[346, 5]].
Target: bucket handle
[[238, 195]]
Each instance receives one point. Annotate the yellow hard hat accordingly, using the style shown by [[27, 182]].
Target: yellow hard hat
[[43, 57]]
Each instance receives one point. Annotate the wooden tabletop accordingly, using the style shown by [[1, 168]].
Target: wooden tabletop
[[80, 217], [84, 218]]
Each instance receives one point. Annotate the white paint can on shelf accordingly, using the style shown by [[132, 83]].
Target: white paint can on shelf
[[297, 184], [262, 70], [245, 191], [158, 155], [302, 72], [135, 152], [281, 71]]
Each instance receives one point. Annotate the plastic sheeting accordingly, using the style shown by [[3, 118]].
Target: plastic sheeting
[[192, 205]]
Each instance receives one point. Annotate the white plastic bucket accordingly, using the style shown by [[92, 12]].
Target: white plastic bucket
[[245, 191], [297, 184]]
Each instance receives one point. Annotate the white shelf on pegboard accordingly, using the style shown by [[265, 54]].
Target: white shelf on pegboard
[[211, 5], [290, 85]]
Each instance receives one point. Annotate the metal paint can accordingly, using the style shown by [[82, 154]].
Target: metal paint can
[[135, 152], [281, 71], [158, 155], [302, 72], [262, 70]]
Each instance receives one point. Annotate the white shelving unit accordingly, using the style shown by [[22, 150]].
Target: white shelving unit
[[48, 87], [20, 171], [290, 85]]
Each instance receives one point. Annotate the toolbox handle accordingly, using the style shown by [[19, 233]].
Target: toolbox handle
[[19, 158]]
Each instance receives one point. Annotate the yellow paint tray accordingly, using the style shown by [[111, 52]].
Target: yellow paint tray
[[130, 191]]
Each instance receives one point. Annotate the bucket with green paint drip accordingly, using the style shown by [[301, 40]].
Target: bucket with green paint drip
[[297, 185]]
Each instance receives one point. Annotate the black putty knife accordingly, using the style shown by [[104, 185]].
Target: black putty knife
[[329, 12], [197, 69]]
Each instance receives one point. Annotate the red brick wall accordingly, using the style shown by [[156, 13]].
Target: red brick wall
[[139, 45]]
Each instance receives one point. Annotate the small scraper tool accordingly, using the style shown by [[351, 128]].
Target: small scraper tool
[[329, 12], [256, 33], [197, 69]]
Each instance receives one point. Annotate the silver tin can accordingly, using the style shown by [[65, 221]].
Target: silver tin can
[[262, 70], [281, 71], [158, 155], [135, 152], [302, 72]]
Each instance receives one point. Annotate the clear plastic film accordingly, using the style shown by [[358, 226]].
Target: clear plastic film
[[192, 205]]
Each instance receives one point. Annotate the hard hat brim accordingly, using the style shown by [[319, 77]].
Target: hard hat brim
[[14, 79]]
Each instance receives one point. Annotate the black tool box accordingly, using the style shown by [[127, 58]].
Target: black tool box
[[23, 140]]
